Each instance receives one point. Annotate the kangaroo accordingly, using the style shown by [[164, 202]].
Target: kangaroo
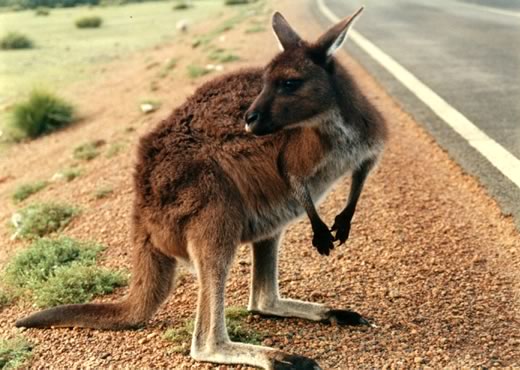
[[248, 153]]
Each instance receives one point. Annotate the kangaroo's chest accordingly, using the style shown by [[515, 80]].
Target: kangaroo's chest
[[346, 149]]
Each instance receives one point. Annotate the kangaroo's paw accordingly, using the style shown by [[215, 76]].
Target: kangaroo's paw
[[345, 317], [323, 239], [294, 362], [342, 228]]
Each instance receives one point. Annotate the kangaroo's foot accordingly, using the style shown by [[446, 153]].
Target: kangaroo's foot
[[265, 357], [308, 310]]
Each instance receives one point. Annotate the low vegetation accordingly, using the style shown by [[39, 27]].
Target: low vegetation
[[60, 271], [40, 219], [114, 149], [42, 113], [77, 284], [91, 21], [31, 4], [237, 329], [15, 40], [5, 299], [14, 352], [103, 192], [125, 31], [222, 56], [255, 29], [196, 71], [168, 67], [237, 2], [34, 265], [67, 174], [181, 5], [87, 151], [206, 39], [42, 12], [24, 191]]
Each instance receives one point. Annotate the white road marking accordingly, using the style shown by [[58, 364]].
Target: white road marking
[[495, 153]]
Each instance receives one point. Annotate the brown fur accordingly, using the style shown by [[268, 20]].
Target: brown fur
[[203, 185]]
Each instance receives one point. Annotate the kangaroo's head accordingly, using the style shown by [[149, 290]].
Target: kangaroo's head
[[298, 82]]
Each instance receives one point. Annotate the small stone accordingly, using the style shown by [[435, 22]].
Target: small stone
[[418, 360], [151, 335]]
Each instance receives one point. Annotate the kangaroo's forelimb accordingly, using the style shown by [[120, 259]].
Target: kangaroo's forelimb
[[322, 238], [343, 220]]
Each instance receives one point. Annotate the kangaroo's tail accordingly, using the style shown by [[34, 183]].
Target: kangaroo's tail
[[151, 283]]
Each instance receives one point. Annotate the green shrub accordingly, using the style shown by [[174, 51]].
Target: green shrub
[[59, 271], [40, 219], [42, 12], [5, 299], [256, 29], [34, 265], [86, 152], [236, 2], [24, 191], [195, 71], [165, 70], [237, 328], [91, 21], [36, 4], [67, 174], [181, 5], [14, 352], [15, 40], [77, 284], [221, 56], [40, 114], [114, 149], [180, 337]]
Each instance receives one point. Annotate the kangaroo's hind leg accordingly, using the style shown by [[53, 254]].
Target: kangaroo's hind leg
[[265, 298], [210, 342]]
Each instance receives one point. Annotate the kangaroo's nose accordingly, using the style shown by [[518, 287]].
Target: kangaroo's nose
[[252, 117]]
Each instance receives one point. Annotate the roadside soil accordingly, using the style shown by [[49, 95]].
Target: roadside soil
[[431, 259]]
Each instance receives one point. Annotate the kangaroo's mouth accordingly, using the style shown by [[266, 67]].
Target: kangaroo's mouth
[[260, 129]]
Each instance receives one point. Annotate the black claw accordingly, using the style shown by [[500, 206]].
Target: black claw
[[345, 317], [295, 362]]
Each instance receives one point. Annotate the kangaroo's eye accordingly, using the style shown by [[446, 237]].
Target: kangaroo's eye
[[290, 86]]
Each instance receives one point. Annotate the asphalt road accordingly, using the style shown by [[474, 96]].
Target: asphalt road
[[468, 52]]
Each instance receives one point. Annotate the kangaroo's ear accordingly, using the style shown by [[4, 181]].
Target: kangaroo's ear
[[332, 40], [287, 37]]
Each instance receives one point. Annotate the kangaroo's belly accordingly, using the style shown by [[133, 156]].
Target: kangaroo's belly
[[266, 224], [269, 222]]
